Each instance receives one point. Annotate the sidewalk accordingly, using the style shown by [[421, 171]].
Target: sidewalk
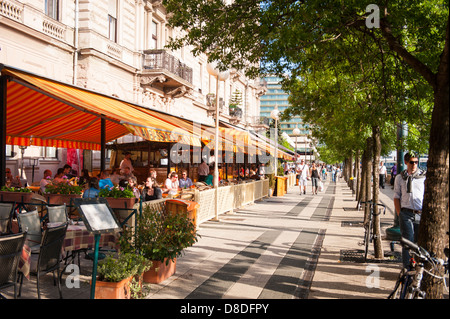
[[286, 247]]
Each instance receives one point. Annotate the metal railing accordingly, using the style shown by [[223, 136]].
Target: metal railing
[[162, 60]]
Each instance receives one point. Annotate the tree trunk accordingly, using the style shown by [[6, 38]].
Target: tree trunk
[[434, 219], [357, 175], [378, 248], [366, 195]]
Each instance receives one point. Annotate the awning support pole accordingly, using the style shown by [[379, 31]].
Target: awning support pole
[[3, 100], [103, 144]]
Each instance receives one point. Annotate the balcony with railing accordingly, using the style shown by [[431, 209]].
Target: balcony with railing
[[164, 71]]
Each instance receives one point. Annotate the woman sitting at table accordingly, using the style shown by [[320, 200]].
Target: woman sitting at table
[[93, 190], [151, 191], [60, 177], [47, 179], [132, 184]]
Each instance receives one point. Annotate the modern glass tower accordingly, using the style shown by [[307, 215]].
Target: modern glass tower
[[275, 97]]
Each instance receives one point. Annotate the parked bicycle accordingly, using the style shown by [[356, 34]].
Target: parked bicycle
[[408, 285], [369, 235]]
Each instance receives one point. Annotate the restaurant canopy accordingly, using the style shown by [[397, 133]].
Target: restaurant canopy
[[44, 112]]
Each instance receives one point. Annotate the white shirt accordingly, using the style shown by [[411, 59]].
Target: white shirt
[[413, 200], [171, 186], [126, 163], [303, 171], [383, 170]]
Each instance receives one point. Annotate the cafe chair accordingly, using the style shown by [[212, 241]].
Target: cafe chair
[[10, 252], [6, 213], [57, 214], [31, 223], [49, 257]]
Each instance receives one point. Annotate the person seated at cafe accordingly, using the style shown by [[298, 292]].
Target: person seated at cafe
[[126, 174], [68, 171], [11, 180], [171, 185], [132, 184], [210, 178], [184, 181], [116, 177], [60, 177], [84, 178], [151, 191], [47, 179], [105, 180], [93, 190]]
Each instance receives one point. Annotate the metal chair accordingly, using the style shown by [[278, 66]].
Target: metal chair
[[57, 214], [6, 211], [31, 223], [49, 257], [10, 251]]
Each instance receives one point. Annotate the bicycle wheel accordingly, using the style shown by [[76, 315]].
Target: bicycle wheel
[[367, 238], [400, 288]]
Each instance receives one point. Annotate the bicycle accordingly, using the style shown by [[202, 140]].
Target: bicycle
[[409, 281], [369, 235]]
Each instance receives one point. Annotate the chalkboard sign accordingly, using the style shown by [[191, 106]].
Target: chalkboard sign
[[98, 217]]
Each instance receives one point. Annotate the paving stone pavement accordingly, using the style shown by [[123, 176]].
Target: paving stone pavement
[[288, 247]]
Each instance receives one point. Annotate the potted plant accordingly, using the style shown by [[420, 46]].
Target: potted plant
[[62, 192], [161, 238], [118, 197], [118, 278], [15, 194], [235, 101]]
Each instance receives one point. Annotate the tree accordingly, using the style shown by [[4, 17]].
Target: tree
[[281, 36]]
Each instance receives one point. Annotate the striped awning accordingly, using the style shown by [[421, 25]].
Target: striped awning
[[44, 112]]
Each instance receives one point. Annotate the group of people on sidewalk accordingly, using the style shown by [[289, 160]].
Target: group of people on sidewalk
[[316, 173]]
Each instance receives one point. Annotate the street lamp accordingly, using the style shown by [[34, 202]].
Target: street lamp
[[296, 133], [274, 115], [220, 76]]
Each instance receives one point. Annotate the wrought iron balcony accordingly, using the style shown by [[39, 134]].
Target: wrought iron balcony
[[166, 72]]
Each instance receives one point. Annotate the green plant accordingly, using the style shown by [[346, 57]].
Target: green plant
[[124, 266], [116, 192], [236, 99], [63, 188], [159, 236], [15, 189]]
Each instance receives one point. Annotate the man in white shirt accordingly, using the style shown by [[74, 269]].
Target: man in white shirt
[[303, 172], [382, 174], [126, 162], [171, 184], [409, 188]]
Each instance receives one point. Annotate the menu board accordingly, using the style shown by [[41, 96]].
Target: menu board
[[97, 215]]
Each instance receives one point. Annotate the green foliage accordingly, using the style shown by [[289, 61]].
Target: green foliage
[[16, 189], [236, 99], [116, 192], [160, 236], [124, 266], [63, 188]]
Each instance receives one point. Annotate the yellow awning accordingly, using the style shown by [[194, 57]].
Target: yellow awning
[[44, 112]]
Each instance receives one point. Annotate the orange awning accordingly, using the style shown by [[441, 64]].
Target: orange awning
[[44, 112]]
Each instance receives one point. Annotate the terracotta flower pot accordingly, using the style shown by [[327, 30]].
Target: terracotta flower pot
[[18, 197], [123, 203], [113, 290], [60, 199], [160, 271]]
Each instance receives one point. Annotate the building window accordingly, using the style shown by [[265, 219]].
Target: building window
[[154, 35], [48, 152], [112, 20], [52, 9]]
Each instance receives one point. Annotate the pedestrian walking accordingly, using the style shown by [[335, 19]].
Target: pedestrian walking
[[303, 171], [382, 174], [315, 178]]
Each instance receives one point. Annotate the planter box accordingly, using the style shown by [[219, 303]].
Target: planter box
[[59, 199], [18, 197], [160, 271], [113, 290], [123, 203]]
